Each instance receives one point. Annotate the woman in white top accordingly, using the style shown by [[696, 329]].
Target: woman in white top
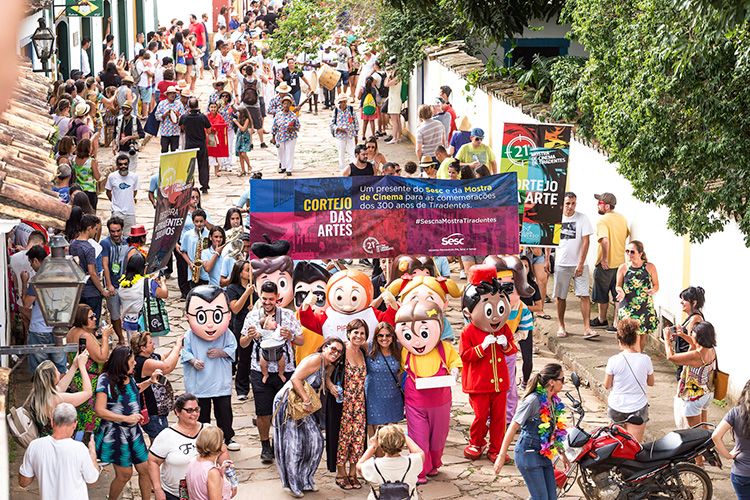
[[628, 374], [174, 447], [387, 444]]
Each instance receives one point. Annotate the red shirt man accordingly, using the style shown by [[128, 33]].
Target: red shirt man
[[199, 30]]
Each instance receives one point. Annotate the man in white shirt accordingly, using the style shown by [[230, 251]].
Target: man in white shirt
[[570, 264], [140, 38], [122, 187], [62, 466], [85, 66], [19, 263], [343, 55]]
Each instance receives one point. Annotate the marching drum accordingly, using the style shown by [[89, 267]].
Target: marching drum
[[328, 77], [272, 349], [312, 77]]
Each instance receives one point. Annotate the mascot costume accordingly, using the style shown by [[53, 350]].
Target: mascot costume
[[431, 368], [273, 264], [310, 278], [349, 296], [485, 343], [207, 355], [425, 287], [510, 270]]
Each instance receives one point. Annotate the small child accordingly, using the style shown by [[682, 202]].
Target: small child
[[269, 323], [62, 182], [410, 169]]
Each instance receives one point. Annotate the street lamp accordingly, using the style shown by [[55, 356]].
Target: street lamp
[[58, 286], [43, 39]]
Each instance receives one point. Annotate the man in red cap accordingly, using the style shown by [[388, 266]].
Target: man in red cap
[[485, 342]]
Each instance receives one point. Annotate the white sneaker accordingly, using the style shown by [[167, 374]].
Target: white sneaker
[[462, 275], [242, 397], [233, 446]]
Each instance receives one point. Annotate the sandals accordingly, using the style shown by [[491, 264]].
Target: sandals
[[544, 316], [343, 483], [562, 333], [355, 484]]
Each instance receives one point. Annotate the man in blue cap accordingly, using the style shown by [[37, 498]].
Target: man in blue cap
[[476, 153]]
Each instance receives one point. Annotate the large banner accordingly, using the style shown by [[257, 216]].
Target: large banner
[[384, 216], [84, 8], [538, 154], [172, 198]]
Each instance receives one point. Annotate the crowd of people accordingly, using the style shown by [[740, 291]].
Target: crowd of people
[[325, 373]]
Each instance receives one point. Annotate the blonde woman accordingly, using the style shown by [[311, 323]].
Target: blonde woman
[[391, 466], [205, 477], [48, 391]]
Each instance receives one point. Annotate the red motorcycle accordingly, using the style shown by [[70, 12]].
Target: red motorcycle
[[610, 464]]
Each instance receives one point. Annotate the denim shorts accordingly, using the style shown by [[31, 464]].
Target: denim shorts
[[156, 424], [344, 80]]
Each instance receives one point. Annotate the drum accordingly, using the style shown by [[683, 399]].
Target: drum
[[311, 77], [272, 349], [328, 77], [173, 116]]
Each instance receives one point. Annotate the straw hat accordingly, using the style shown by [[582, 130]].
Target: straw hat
[[283, 88], [127, 104], [427, 162], [186, 93], [287, 98], [342, 97], [172, 90], [463, 123], [182, 84], [128, 79], [81, 109]]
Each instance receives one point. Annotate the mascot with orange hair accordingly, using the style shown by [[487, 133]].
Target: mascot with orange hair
[[349, 296]]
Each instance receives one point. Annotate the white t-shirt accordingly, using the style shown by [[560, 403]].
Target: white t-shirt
[[226, 65], [343, 55], [123, 192], [137, 48], [18, 263], [142, 68], [176, 449], [393, 469], [626, 395], [573, 229], [161, 54], [63, 467]]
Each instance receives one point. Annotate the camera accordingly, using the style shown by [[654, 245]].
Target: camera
[[132, 150]]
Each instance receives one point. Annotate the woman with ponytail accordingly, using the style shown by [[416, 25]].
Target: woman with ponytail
[[637, 282], [738, 420], [539, 416]]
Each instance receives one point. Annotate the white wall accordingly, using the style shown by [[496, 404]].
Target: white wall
[[181, 10], [678, 264]]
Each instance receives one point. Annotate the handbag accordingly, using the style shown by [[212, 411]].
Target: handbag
[[295, 407], [22, 426], [153, 317], [721, 382], [180, 68]]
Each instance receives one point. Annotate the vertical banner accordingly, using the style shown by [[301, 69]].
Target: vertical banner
[[172, 198], [538, 154], [366, 217]]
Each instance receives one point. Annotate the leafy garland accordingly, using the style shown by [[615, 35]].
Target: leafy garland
[[552, 414], [128, 283]]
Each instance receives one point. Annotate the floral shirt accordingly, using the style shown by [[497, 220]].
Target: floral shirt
[[281, 121], [274, 105], [167, 127], [344, 119]]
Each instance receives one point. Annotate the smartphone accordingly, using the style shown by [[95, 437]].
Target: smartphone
[[673, 329], [81, 345], [86, 437], [78, 436], [162, 380]]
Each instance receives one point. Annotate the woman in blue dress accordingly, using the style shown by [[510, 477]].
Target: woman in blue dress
[[383, 396]]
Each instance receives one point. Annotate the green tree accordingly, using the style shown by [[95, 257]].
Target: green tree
[[665, 92], [303, 26]]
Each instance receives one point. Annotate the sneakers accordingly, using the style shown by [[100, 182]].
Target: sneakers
[[266, 454], [288, 173], [611, 329], [590, 335], [595, 323], [232, 445], [242, 397], [263, 145], [462, 275]]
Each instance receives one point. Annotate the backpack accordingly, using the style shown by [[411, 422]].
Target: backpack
[[72, 128], [250, 93], [134, 71], [21, 426], [382, 89], [396, 490], [369, 107]]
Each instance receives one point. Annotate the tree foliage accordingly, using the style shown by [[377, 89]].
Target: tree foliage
[[491, 20], [303, 26], [664, 90]]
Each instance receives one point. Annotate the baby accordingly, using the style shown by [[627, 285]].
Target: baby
[[269, 323]]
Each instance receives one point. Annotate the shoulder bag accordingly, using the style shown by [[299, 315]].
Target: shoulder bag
[[721, 382], [296, 407], [153, 317]]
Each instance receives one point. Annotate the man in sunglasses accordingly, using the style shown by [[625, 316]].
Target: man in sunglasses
[[128, 131], [477, 153], [612, 233], [258, 332], [122, 187]]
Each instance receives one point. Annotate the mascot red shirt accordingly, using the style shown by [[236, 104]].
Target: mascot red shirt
[[349, 294], [484, 344]]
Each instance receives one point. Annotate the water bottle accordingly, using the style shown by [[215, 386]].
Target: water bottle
[[231, 476], [340, 393]]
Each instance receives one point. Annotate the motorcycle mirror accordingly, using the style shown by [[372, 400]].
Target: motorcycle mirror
[[575, 379]]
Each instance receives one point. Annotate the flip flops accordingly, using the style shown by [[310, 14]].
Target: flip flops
[[590, 335], [562, 333], [544, 316]]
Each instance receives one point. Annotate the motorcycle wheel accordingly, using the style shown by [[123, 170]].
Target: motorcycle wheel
[[696, 483]]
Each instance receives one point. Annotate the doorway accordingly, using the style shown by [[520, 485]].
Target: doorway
[[62, 41]]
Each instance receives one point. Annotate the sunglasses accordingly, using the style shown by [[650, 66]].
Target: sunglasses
[[191, 410], [122, 165], [561, 379], [335, 350], [630, 251], [384, 336], [92, 316]]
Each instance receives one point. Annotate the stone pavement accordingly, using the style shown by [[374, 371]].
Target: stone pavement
[[459, 478]]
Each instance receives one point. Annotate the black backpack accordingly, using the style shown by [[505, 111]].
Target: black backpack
[[250, 93], [382, 89], [392, 490]]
